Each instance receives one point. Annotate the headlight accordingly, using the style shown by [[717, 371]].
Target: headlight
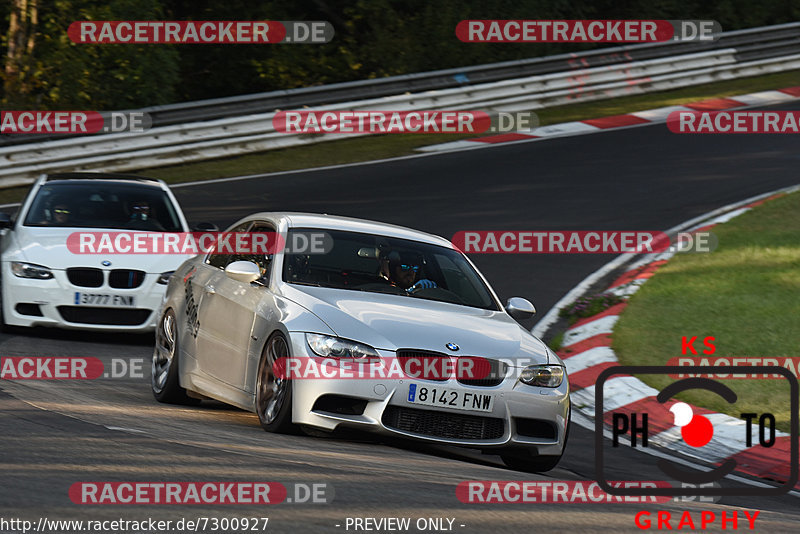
[[546, 376], [334, 347], [163, 278], [31, 270]]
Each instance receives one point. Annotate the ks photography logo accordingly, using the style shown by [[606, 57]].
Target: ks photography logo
[[696, 430]]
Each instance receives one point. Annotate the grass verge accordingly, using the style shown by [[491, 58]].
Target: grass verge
[[746, 294], [557, 342], [387, 146]]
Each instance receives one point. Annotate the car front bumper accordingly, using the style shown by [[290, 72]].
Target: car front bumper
[[522, 416], [53, 303]]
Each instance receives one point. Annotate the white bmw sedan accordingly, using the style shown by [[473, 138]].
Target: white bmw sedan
[[44, 283], [353, 323]]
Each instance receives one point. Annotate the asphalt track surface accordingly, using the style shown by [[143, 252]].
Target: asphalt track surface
[[55, 433]]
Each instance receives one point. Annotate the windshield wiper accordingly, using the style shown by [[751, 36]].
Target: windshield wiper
[[314, 284]]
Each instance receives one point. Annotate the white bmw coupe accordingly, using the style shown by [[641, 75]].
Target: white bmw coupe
[[44, 283]]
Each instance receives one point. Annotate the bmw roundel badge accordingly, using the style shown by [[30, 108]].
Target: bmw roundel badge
[[106, 263], [452, 346]]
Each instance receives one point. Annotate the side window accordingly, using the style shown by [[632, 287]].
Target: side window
[[24, 200], [457, 281], [221, 261], [264, 261]]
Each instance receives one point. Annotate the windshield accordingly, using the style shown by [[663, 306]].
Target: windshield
[[126, 206], [379, 264]]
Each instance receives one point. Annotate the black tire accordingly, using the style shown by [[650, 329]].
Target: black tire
[[164, 372], [3, 326], [315, 432], [274, 394], [6, 328], [524, 461], [530, 464]]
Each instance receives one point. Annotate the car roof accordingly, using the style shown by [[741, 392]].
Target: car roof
[[336, 222], [103, 176]]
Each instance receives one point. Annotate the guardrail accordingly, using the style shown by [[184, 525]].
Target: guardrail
[[750, 44], [207, 139]]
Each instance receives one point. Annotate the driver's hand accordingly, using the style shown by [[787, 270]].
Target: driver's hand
[[422, 284]]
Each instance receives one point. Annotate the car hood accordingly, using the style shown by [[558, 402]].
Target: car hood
[[391, 322], [48, 247]]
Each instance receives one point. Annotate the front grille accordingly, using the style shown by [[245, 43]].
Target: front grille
[[535, 428], [104, 316], [443, 424], [493, 376], [418, 369], [85, 276], [125, 278]]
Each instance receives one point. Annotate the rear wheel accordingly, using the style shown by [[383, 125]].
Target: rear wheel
[[274, 393], [164, 370]]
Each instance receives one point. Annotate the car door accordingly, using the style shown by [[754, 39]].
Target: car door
[[227, 317]]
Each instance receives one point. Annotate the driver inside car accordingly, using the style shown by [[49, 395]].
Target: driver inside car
[[401, 270], [141, 217], [61, 214]]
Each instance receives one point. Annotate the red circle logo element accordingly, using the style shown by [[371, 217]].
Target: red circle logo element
[[698, 432]]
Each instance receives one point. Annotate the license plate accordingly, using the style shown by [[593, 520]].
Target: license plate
[[104, 299], [450, 398]]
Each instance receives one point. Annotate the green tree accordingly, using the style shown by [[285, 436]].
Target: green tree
[[20, 43], [62, 74], [374, 38]]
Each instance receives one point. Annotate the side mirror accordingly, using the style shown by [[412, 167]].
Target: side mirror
[[5, 220], [243, 271], [205, 227], [520, 308]]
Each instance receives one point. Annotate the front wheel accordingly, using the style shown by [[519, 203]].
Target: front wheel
[[3, 326], [274, 393], [164, 370], [530, 464]]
